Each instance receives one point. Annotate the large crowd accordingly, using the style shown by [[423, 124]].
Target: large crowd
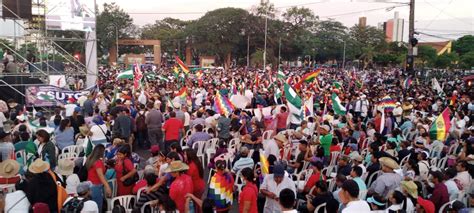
[[215, 140]]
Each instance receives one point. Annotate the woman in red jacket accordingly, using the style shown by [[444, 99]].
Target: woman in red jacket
[[195, 171], [124, 169]]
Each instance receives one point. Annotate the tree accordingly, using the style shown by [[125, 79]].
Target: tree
[[329, 38], [365, 42], [464, 45], [218, 32], [7, 43], [170, 31], [300, 18], [467, 60], [446, 60], [427, 55], [111, 23]]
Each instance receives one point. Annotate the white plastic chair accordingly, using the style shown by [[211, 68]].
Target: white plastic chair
[[442, 163], [373, 177], [239, 183], [232, 146], [199, 147], [302, 178], [72, 149], [8, 188], [21, 155], [148, 204], [211, 147], [444, 206], [127, 201], [362, 194], [68, 155], [334, 156], [321, 206], [139, 192], [267, 135], [183, 143]]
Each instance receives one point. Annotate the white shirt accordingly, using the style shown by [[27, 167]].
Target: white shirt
[[89, 206], [12, 199], [3, 119], [452, 187], [187, 118], [356, 206], [98, 133], [270, 185], [465, 179], [69, 109], [272, 149]]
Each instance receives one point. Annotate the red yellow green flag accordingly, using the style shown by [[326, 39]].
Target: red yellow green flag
[[182, 93], [311, 76], [264, 163], [182, 65], [439, 129]]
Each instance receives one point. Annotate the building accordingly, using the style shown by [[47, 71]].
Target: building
[[441, 46], [362, 21], [393, 28]]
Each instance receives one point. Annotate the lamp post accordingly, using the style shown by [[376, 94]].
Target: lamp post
[[344, 56], [265, 43]]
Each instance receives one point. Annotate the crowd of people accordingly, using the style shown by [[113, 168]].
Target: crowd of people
[[166, 142]]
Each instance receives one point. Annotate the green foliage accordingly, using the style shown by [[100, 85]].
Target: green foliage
[[5, 42], [366, 42], [467, 60], [464, 44], [329, 40], [446, 60], [170, 31], [218, 32], [427, 55], [113, 21]]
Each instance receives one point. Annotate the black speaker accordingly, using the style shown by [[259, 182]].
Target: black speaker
[[16, 8]]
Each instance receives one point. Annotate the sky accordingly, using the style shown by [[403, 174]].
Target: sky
[[441, 19]]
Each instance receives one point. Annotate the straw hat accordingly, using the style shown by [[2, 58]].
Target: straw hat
[[38, 166], [176, 166], [9, 168], [410, 187], [389, 162], [84, 130], [65, 167], [280, 137]]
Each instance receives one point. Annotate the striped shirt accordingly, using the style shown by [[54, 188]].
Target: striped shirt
[[243, 162]]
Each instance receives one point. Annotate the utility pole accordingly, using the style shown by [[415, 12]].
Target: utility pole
[[248, 51], [411, 39], [344, 56], [279, 53], [265, 45]]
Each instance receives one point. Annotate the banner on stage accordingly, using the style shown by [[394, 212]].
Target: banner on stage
[[48, 96], [70, 15]]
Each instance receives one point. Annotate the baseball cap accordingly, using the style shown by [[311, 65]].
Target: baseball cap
[[154, 149], [77, 109], [83, 187], [278, 171]]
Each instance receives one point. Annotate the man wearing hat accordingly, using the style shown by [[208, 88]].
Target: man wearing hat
[[182, 183], [272, 185], [325, 140], [8, 171], [273, 146], [83, 190], [357, 160], [389, 180]]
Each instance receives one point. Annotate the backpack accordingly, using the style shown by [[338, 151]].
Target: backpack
[[40, 208], [140, 122], [74, 205], [62, 194]]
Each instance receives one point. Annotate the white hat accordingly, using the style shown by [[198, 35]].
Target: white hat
[[71, 184], [176, 105]]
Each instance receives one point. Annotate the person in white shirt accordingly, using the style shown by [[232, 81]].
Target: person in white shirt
[[463, 175], [83, 192], [272, 147], [271, 187], [287, 201], [453, 189], [349, 198], [98, 131], [3, 119]]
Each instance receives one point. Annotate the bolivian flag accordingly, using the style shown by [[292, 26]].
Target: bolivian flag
[[265, 166], [182, 93], [309, 77], [182, 65], [439, 129]]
